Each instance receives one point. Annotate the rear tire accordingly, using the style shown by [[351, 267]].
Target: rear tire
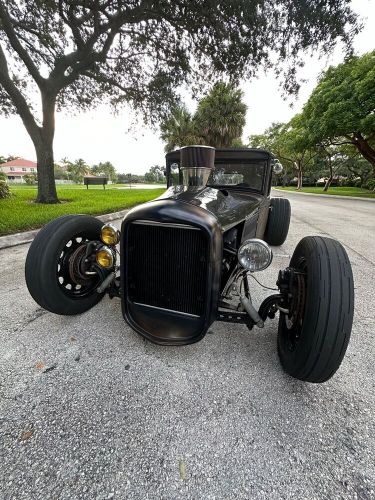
[[278, 221], [49, 251], [313, 342]]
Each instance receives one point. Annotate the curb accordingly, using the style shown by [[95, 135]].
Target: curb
[[331, 196], [12, 240]]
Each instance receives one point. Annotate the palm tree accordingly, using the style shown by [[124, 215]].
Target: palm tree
[[221, 116], [178, 129], [78, 169]]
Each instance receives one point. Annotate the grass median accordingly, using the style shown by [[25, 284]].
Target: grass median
[[334, 191], [20, 213]]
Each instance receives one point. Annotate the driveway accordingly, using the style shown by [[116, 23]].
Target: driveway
[[88, 409]]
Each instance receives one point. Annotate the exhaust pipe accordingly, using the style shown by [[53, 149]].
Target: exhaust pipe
[[196, 165]]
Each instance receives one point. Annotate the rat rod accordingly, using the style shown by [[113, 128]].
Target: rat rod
[[189, 258]]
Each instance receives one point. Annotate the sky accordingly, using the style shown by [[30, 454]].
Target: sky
[[98, 135]]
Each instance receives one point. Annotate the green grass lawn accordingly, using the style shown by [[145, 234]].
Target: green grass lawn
[[20, 213], [341, 191]]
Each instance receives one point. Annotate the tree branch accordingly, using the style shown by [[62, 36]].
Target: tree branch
[[17, 98], [17, 46]]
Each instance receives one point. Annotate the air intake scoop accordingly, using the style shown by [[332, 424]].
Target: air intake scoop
[[196, 164]]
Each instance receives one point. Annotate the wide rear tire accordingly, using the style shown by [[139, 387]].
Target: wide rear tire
[[313, 337], [278, 221], [48, 268]]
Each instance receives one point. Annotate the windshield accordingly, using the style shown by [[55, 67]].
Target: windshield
[[247, 175]]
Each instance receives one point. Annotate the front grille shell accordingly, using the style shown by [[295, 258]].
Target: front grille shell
[[170, 271]]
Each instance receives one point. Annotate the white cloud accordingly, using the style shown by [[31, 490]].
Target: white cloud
[[99, 136]]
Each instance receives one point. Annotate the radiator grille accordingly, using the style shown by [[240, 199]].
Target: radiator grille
[[167, 266]]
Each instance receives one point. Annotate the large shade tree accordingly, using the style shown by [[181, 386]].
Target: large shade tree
[[341, 109], [288, 141], [75, 53]]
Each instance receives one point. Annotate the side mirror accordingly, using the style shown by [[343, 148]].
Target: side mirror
[[277, 167]]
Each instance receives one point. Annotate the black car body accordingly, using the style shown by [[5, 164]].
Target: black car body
[[187, 259], [171, 294]]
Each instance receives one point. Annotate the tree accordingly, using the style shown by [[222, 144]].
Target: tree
[[4, 159], [218, 121], [288, 141], [178, 129], [221, 116], [358, 167], [106, 169], [60, 172], [76, 53], [341, 108], [155, 174], [77, 169]]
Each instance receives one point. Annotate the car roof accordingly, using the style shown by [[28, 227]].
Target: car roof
[[231, 153]]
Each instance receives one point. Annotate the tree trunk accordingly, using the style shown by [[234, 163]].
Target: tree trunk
[[44, 152], [330, 178], [298, 166], [365, 149], [328, 183], [46, 179]]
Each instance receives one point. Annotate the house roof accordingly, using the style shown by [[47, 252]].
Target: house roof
[[19, 162]]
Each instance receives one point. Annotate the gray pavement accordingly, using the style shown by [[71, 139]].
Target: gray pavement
[[88, 409]]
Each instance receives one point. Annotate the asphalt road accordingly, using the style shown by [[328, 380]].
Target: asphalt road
[[88, 409]]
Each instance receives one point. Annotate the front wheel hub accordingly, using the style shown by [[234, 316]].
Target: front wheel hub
[[78, 266]]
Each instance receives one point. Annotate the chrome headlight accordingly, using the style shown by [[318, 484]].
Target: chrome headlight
[[109, 234], [105, 257], [254, 255]]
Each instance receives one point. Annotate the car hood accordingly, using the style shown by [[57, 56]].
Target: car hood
[[229, 206]]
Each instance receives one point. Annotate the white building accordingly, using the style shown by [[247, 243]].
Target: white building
[[15, 170]]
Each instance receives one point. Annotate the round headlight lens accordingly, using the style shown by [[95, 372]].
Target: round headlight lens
[[109, 234], [104, 257], [254, 255]]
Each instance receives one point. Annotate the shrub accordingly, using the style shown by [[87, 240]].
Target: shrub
[[30, 179], [370, 184], [4, 190], [3, 177]]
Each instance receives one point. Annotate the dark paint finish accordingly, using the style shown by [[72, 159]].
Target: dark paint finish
[[159, 325], [212, 210], [229, 206]]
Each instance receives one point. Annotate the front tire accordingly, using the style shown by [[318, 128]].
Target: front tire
[[52, 273], [314, 335]]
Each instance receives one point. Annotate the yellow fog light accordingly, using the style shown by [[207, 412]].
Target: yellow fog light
[[104, 257], [109, 234]]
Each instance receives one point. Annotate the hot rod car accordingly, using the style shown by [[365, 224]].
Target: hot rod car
[[189, 258]]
